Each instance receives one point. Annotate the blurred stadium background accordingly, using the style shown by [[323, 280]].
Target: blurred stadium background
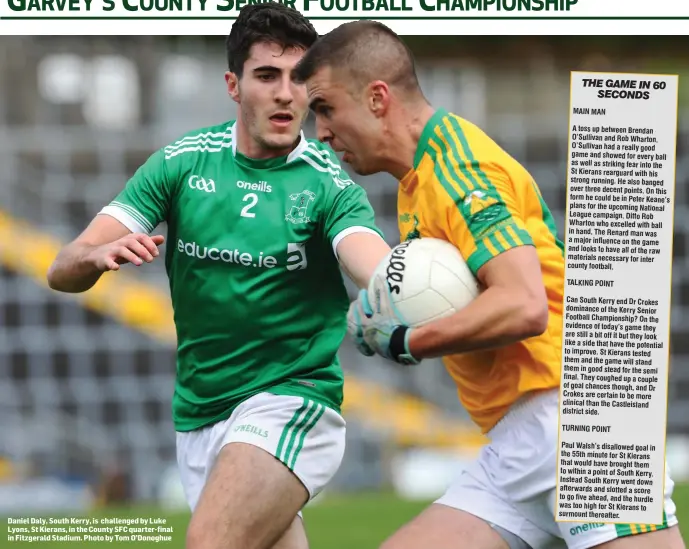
[[86, 381]]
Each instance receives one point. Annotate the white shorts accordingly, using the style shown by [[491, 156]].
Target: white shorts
[[511, 485], [307, 437]]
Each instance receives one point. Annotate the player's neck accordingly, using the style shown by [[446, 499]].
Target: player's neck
[[405, 132], [248, 146]]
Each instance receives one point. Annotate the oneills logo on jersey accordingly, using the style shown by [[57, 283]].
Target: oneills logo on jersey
[[477, 201], [261, 186], [299, 210]]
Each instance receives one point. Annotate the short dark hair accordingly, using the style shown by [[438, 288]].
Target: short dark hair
[[266, 22], [366, 50]]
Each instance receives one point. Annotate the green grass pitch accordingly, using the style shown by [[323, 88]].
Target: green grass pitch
[[338, 522]]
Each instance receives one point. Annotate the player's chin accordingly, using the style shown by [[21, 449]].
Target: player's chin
[[357, 165], [280, 140]]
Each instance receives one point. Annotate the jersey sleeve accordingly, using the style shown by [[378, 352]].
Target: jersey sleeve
[[145, 200], [485, 218], [348, 211]]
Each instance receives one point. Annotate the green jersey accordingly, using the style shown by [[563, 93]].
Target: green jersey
[[258, 297]]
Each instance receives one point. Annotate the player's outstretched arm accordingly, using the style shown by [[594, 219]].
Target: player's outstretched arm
[[512, 307], [103, 246], [360, 253]]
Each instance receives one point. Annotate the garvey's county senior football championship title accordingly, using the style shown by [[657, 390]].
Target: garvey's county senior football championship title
[[314, 9], [304, 6], [613, 401], [448, 17]]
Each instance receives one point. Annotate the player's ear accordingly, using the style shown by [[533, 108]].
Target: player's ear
[[378, 98], [232, 81]]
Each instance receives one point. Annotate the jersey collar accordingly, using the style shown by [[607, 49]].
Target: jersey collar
[[298, 150], [427, 133]]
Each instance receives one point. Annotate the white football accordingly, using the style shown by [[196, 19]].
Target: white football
[[428, 279]]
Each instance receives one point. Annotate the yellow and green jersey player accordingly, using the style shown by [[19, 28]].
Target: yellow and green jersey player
[[504, 349]]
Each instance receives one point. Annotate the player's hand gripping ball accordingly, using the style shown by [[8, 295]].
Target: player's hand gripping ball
[[376, 325]]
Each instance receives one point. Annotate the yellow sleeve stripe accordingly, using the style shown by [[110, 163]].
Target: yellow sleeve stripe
[[516, 239], [454, 192], [517, 232], [493, 245], [506, 236], [487, 248], [510, 236], [456, 125], [505, 243], [458, 164], [461, 146], [464, 180]]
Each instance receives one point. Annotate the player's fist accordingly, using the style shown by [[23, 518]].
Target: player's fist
[[135, 248], [377, 327]]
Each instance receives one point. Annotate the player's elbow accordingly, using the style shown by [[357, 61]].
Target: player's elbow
[[52, 277], [59, 280], [533, 318]]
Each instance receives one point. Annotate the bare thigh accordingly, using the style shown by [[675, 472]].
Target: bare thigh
[[250, 501], [442, 527], [669, 538]]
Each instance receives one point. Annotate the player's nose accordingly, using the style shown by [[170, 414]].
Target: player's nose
[[284, 93], [323, 133]]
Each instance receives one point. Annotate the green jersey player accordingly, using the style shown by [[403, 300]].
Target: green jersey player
[[259, 220]]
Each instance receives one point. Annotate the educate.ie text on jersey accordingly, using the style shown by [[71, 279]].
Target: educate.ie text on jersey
[[192, 249]]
